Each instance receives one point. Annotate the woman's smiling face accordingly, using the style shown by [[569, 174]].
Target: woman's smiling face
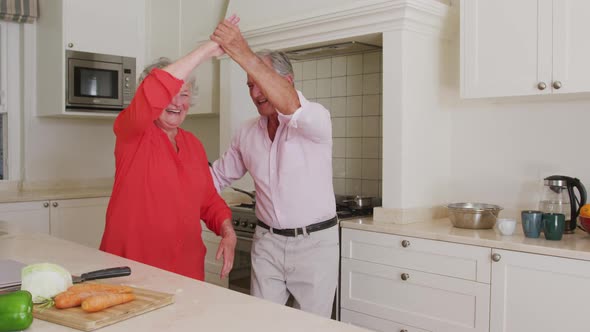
[[174, 114]]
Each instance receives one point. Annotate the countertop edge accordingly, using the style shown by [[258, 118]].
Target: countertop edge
[[32, 196], [515, 242]]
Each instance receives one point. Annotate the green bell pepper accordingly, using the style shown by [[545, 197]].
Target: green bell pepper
[[16, 311]]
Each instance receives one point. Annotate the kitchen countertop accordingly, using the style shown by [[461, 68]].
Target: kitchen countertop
[[62, 193], [198, 305], [575, 245]]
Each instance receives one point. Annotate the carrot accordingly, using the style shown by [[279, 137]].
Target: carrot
[[100, 288], [103, 301], [74, 296]]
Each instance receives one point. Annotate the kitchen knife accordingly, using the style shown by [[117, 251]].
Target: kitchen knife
[[93, 275], [112, 272]]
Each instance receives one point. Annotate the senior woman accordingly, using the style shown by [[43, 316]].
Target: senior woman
[[163, 187]]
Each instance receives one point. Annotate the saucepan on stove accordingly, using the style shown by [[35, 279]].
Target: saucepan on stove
[[251, 194], [358, 202]]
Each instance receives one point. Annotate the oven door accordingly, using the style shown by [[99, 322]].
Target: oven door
[[239, 277], [94, 84]]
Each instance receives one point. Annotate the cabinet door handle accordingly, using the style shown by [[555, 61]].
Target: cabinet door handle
[[70, 45], [496, 257], [405, 243], [557, 85], [404, 330], [46, 204], [405, 276], [55, 204], [541, 86]]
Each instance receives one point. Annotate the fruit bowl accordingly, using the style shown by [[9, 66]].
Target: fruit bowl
[[584, 223]]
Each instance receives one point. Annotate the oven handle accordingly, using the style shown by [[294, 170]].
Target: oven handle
[[244, 238]]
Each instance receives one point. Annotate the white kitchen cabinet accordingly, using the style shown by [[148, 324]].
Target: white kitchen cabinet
[[25, 216], [172, 31], [212, 266], [527, 47], [538, 293], [410, 282], [79, 220], [108, 27], [571, 49]]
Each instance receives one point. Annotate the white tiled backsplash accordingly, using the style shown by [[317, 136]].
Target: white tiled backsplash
[[350, 87]]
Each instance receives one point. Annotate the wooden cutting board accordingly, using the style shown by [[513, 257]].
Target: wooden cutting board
[[146, 300]]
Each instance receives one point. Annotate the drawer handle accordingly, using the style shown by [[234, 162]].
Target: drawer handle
[[405, 243], [496, 257], [404, 330], [405, 276]]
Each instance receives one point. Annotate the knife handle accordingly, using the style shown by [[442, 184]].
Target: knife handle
[[107, 273]]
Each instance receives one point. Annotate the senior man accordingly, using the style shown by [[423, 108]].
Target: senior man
[[287, 150]]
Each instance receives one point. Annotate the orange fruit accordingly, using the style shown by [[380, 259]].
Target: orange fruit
[[585, 211]]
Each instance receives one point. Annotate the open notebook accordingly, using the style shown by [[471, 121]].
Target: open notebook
[[10, 272]]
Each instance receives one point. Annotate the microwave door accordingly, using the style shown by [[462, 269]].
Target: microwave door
[[94, 83]]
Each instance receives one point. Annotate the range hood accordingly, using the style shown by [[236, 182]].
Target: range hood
[[330, 50]]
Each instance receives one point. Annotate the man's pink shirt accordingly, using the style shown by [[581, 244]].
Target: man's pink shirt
[[292, 174]]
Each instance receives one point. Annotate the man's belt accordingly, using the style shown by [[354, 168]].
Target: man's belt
[[302, 230]]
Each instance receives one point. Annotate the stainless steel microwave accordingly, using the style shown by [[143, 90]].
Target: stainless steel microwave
[[98, 82]]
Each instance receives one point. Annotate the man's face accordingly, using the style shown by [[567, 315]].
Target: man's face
[[265, 108]]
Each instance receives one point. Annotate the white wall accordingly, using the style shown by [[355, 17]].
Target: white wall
[[80, 150], [501, 149]]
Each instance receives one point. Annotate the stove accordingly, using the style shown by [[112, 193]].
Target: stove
[[345, 212], [244, 219]]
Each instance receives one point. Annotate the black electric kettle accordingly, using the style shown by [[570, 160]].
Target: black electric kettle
[[559, 197]]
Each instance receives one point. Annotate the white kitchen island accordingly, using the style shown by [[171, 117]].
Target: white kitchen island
[[198, 306]]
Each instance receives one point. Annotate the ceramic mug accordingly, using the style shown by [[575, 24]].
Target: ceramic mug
[[506, 226], [532, 223], [553, 225]]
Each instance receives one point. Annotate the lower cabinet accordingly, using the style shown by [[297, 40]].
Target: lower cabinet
[[393, 283], [539, 293], [212, 266], [398, 283], [78, 220], [25, 217]]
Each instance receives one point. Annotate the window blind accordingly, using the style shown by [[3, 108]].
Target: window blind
[[21, 11]]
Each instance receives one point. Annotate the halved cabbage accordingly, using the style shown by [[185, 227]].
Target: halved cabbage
[[45, 280]]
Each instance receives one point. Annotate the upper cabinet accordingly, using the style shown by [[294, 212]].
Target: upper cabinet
[[108, 27], [172, 31], [526, 47]]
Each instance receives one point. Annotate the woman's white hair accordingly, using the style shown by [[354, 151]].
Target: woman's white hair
[[163, 62]]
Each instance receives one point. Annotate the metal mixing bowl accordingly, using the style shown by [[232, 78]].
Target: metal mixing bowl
[[473, 215]]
